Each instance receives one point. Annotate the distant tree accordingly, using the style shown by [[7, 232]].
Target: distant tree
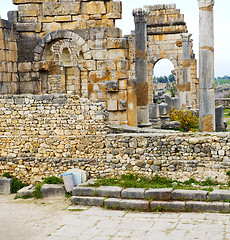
[[171, 78]]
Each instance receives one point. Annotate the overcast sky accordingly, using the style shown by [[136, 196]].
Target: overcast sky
[[190, 9]]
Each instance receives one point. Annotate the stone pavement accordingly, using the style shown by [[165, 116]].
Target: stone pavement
[[55, 219], [99, 224]]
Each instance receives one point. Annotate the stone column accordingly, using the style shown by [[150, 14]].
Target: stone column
[[141, 65], [185, 88], [206, 67]]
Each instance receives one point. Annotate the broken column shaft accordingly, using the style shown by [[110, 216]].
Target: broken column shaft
[[141, 65], [186, 71], [206, 67]]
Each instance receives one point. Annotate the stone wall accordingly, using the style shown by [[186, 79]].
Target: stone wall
[[223, 101], [8, 58], [45, 135]]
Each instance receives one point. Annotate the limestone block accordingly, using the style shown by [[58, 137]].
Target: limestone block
[[26, 191], [114, 43], [116, 54], [104, 23], [61, 8], [112, 105], [62, 18], [219, 195], [88, 201], [163, 194], [197, 195], [137, 193], [52, 190], [205, 206], [114, 9], [84, 174], [29, 10], [27, 1], [84, 191], [5, 185], [28, 27], [50, 27], [43, 19], [99, 54], [96, 76], [168, 206], [98, 44], [89, 64], [134, 204], [96, 7], [109, 191], [122, 65], [42, 65], [24, 67], [112, 86], [122, 84]]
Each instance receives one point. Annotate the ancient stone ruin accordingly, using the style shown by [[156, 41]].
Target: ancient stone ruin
[[70, 81]]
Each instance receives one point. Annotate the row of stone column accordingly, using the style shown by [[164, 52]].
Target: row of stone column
[[206, 67]]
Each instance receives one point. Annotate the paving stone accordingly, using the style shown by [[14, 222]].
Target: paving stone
[[84, 191], [196, 195], [26, 191], [207, 206], [53, 190], [89, 201], [134, 204], [133, 193], [163, 194], [5, 185], [168, 206], [109, 191], [219, 195]]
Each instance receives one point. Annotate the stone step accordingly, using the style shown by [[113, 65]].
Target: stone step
[[161, 194], [144, 205]]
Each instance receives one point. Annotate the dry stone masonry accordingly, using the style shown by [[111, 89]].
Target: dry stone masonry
[[67, 73]]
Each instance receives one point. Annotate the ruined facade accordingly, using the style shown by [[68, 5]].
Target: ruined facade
[[74, 47]]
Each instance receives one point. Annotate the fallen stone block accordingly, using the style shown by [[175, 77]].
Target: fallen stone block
[[167, 206], [84, 191], [75, 171], [207, 206], [133, 193], [162, 194], [53, 190], [88, 201], [133, 204], [109, 191], [5, 185], [196, 195], [219, 195], [26, 191]]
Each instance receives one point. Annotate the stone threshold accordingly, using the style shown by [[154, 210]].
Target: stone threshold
[[162, 199]]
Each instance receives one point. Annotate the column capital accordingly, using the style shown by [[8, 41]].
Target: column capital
[[140, 15], [206, 3], [185, 37]]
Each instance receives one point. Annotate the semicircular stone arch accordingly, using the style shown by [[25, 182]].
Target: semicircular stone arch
[[58, 57], [164, 28]]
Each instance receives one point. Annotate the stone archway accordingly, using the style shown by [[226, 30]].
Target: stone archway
[[59, 60], [164, 28]]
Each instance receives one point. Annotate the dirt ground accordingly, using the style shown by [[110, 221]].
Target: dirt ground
[[30, 219]]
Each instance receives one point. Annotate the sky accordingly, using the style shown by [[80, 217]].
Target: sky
[[190, 9]]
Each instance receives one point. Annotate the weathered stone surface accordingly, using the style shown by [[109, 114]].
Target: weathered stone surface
[[5, 185], [137, 193], [52, 190], [219, 195], [109, 191], [196, 195], [162, 194], [26, 191], [133, 204], [84, 191], [207, 206], [167, 206], [89, 201]]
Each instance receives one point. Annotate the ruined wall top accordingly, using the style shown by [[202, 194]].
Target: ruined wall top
[[140, 15], [160, 7]]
